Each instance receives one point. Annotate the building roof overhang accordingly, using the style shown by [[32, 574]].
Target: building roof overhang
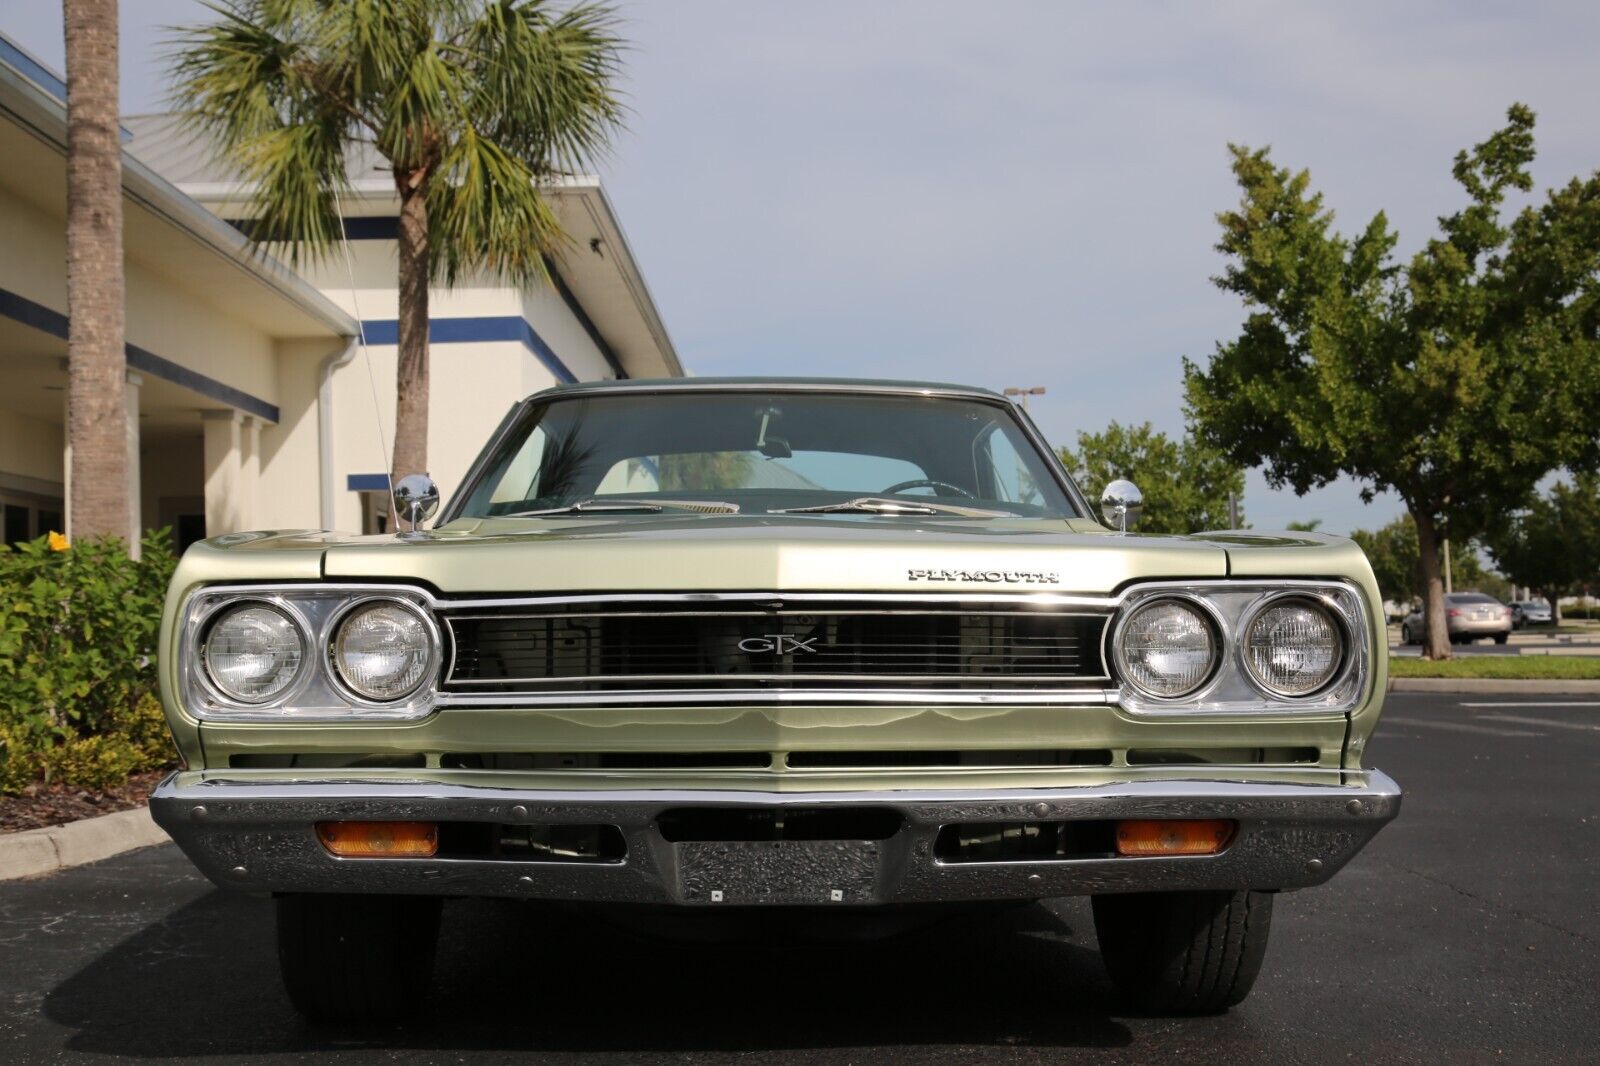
[[165, 230]]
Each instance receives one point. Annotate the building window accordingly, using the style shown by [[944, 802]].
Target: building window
[[24, 516]]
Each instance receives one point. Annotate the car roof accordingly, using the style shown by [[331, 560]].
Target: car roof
[[776, 384]]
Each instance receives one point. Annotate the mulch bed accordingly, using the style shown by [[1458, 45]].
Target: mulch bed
[[46, 805]]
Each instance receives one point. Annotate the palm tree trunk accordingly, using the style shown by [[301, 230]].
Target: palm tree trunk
[[411, 375], [97, 361], [1436, 632]]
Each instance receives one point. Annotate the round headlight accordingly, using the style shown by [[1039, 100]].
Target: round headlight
[[1293, 648], [1167, 648], [253, 653], [382, 651]]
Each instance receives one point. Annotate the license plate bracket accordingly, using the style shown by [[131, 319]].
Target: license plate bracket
[[780, 872]]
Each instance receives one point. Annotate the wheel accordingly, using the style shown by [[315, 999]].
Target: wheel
[[1405, 634], [1183, 952], [1501, 638], [356, 958]]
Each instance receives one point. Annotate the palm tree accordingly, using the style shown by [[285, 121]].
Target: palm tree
[[474, 104], [96, 359]]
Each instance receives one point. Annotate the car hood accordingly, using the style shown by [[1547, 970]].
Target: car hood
[[841, 553]]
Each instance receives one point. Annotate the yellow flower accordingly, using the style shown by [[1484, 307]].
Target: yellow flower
[[58, 542]]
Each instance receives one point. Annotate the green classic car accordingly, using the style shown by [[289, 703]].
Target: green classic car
[[771, 643]]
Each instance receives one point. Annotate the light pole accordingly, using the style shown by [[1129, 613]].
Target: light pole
[[1037, 390]]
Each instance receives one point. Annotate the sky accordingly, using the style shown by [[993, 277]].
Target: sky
[[1020, 192]]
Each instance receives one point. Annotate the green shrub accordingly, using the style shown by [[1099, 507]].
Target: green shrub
[[78, 632]]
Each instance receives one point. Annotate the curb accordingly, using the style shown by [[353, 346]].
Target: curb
[[1493, 685], [34, 852]]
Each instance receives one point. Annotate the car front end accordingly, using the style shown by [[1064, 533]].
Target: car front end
[[805, 706]]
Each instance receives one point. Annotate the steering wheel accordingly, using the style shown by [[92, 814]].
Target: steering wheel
[[926, 483]]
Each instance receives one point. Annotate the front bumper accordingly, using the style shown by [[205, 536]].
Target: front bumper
[[260, 837]]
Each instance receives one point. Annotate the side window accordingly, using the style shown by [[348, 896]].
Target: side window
[[1001, 466]]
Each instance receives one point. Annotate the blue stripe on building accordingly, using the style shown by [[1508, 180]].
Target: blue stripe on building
[[474, 331], [47, 320], [367, 482]]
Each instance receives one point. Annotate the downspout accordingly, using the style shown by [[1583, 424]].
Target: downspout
[[325, 425]]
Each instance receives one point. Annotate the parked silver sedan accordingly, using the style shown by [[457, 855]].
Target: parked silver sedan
[[1469, 616], [1529, 613]]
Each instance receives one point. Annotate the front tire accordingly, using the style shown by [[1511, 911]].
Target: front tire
[[1405, 635], [357, 958], [1501, 638], [1183, 952]]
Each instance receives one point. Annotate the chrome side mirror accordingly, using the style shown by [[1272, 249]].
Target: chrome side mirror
[[416, 498], [1121, 504]]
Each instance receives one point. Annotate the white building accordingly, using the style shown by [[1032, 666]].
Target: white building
[[251, 403]]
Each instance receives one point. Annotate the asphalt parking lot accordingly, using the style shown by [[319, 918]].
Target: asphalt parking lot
[[1465, 933]]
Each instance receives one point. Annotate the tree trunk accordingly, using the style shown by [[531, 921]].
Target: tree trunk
[[1436, 633], [97, 362], [411, 378], [1553, 598]]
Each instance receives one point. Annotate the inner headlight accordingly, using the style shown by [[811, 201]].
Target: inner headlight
[[382, 650], [1167, 648], [1293, 648], [253, 653]]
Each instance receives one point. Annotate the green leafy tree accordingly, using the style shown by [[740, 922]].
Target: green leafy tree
[[1185, 483], [472, 104], [1458, 379], [1310, 525], [1397, 564], [1553, 544]]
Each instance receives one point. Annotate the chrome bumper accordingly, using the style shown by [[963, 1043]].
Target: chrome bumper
[[260, 837]]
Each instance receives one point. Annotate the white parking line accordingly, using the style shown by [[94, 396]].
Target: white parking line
[[1536, 703], [1459, 727], [1583, 727]]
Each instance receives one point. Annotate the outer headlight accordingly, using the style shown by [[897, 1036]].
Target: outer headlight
[[382, 650], [1293, 647], [1167, 648], [253, 652]]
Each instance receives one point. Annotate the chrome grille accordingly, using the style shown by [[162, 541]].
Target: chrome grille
[[520, 650]]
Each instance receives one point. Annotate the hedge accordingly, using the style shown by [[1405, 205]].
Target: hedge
[[78, 630]]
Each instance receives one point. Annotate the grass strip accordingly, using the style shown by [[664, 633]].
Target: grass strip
[[1512, 667]]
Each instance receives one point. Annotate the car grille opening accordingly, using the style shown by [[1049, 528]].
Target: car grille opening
[[328, 760], [517, 650], [606, 760], [1223, 756], [815, 760], [1025, 841], [685, 824]]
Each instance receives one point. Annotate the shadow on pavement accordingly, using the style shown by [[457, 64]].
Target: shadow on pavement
[[514, 976]]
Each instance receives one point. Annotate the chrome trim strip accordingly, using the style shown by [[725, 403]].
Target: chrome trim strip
[[761, 697]]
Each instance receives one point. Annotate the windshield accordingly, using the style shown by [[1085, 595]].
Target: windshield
[[759, 452]]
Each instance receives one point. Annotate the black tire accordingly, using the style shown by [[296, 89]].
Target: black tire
[[1183, 952], [1501, 638], [1405, 634], [356, 958]]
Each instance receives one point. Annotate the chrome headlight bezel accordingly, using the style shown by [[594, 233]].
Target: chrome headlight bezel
[[1232, 688], [317, 694]]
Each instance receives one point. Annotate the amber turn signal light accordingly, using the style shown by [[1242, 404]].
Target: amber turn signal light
[[1173, 837], [380, 840]]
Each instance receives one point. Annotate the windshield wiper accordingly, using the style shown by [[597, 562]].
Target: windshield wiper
[[883, 505], [596, 504]]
